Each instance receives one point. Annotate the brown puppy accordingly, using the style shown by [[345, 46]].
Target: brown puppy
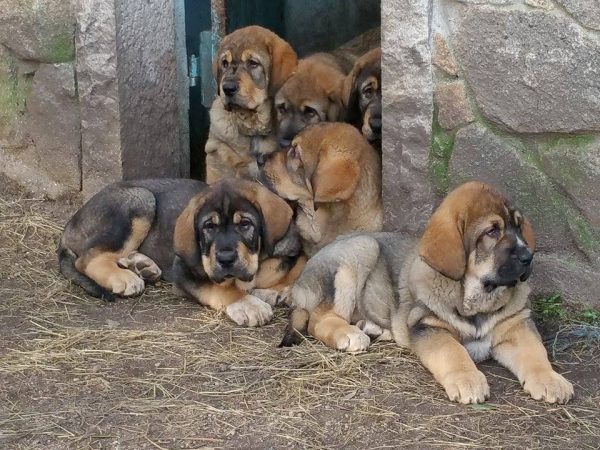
[[362, 96], [234, 242], [250, 66], [334, 176], [314, 93], [461, 297]]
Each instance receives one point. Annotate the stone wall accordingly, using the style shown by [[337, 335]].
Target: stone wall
[[39, 115], [91, 91], [516, 102]]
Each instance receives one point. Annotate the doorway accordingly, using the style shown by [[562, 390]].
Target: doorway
[[309, 26]]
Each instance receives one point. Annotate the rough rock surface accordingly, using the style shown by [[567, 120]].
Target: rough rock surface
[[442, 56], [38, 30], [586, 12], [522, 86], [407, 114], [98, 94], [148, 101], [574, 165], [542, 4], [453, 106], [54, 114]]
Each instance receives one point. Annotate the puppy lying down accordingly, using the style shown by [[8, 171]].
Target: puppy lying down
[[459, 296]]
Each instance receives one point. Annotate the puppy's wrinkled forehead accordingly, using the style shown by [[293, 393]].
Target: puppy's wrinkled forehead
[[225, 202]]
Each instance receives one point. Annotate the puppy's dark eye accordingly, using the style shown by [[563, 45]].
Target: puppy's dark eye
[[309, 112], [209, 225], [281, 107], [292, 153], [494, 233], [368, 92], [225, 64], [245, 224], [252, 64]]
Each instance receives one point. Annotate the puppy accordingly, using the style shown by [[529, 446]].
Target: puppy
[[334, 177], [460, 297], [314, 93], [361, 95], [250, 66], [216, 243]]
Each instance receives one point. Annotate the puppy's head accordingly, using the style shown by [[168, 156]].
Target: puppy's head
[[362, 95], [224, 229], [477, 232], [322, 165], [250, 66], [311, 95]]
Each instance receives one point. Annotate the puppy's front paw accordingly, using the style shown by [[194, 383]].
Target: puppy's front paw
[[126, 283], [548, 386], [269, 296], [142, 266], [250, 311], [467, 387], [352, 339]]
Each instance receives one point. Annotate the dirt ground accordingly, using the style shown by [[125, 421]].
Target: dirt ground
[[157, 372]]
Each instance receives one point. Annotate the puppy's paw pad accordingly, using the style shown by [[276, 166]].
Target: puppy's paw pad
[[126, 283], [250, 311], [549, 386], [142, 266], [352, 340], [467, 387], [269, 296]]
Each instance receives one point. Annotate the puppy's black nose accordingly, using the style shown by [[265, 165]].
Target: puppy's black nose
[[526, 257], [226, 257], [375, 124], [230, 88], [261, 160]]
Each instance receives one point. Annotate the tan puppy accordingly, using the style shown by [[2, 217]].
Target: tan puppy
[[314, 93], [250, 66], [334, 176], [461, 297], [361, 95]]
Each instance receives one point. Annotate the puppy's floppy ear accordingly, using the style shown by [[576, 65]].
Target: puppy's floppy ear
[[284, 62], [442, 246], [337, 110], [337, 174], [277, 215], [185, 240], [350, 96], [527, 232]]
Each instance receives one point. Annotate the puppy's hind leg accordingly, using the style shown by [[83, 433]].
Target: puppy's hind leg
[[115, 225], [335, 332]]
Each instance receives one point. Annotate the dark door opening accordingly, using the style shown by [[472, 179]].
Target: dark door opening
[[309, 26]]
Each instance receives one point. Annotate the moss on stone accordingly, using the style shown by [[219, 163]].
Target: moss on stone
[[577, 143], [439, 156], [583, 233], [62, 46]]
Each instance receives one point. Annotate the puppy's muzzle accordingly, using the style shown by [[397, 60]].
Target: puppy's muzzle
[[230, 88]]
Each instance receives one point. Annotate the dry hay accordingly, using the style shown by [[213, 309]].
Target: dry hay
[[159, 372]]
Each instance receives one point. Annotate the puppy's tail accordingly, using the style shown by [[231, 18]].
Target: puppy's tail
[[297, 327], [66, 263]]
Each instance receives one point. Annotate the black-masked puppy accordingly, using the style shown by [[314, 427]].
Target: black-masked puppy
[[362, 96], [460, 297], [314, 93], [223, 245], [333, 176], [250, 66]]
